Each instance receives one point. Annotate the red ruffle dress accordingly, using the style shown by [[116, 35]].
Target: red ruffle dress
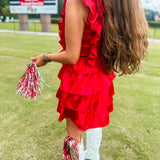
[[85, 93]]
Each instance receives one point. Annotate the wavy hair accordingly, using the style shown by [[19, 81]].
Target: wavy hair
[[124, 36]]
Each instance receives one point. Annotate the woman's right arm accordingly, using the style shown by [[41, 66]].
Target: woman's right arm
[[76, 15]]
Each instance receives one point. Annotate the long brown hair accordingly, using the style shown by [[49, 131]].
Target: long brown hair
[[124, 36]]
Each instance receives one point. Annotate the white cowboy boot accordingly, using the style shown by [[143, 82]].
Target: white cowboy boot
[[93, 142], [81, 150]]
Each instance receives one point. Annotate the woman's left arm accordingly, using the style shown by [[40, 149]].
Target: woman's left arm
[[76, 15]]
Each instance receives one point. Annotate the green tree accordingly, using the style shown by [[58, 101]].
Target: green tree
[[149, 14], [3, 3], [60, 5], [6, 12]]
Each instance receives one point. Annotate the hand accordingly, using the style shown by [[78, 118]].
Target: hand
[[39, 60]]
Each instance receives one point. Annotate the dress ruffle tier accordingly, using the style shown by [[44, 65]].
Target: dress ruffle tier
[[85, 93]]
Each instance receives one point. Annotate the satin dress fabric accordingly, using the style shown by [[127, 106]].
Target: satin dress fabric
[[86, 93]]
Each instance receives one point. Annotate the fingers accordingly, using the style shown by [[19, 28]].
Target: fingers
[[39, 60], [34, 58]]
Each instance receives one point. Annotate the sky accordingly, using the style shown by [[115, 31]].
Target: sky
[[151, 4]]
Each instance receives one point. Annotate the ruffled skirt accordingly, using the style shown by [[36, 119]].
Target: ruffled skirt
[[85, 96]]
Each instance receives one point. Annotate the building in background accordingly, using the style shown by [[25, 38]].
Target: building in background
[[157, 17]]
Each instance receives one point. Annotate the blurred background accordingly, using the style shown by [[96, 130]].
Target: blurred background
[[29, 129]]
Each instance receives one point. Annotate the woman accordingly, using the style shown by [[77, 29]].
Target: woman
[[97, 38]]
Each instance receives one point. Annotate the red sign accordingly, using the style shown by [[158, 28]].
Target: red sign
[[31, 2]]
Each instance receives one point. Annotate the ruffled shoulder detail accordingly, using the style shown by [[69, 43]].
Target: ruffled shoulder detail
[[96, 21], [61, 26]]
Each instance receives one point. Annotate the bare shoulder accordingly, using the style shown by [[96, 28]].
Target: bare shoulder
[[76, 3], [79, 6]]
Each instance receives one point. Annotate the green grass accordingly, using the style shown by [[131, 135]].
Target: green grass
[[36, 27], [33, 26], [154, 33], [29, 129]]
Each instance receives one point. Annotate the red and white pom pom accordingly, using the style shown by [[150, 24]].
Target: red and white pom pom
[[70, 149], [31, 83]]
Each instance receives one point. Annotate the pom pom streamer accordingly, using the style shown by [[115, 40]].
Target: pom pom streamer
[[70, 149], [31, 83]]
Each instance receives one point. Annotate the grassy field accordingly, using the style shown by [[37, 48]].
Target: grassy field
[[36, 27], [29, 129], [154, 33]]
